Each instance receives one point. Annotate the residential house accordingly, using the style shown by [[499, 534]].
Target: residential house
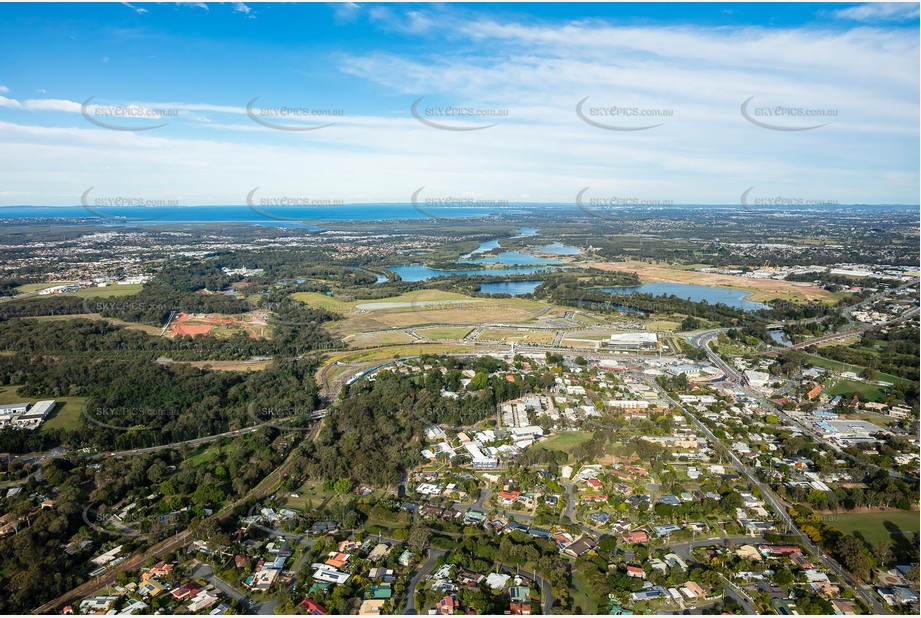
[[313, 608], [185, 591], [161, 569], [202, 600], [635, 571], [151, 588], [447, 606], [581, 546], [637, 536], [371, 607]]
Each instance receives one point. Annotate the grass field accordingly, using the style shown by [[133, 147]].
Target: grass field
[[444, 332], [761, 289], [423, 307], [869, 391], [66, 413], [591, 320], [364, 340], [873, 526], [510, 335], [127, 289], [565, 440], [150, 330], [827, 363], [667, 325], [582, 600]]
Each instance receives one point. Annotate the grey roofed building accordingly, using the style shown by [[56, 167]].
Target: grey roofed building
[[324, 527], [666, 529]]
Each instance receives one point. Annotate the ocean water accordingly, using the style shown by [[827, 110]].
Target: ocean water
[[269, 215]]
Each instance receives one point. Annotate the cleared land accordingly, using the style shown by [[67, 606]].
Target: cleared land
[[228, 365], [510, 335], [445, 332], [390, 352], [365, 340], [876, 526], [423, 307], [254, 324], [761, 289]]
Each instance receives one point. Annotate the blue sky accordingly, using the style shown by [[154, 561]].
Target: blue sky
[[682, 70]]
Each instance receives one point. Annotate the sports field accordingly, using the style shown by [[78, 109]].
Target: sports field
[[876, 526], [843, 387], [565, 440]]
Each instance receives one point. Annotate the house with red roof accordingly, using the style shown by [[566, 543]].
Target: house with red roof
[[637, 536], [313, 608], [185, 591], [446, 606], [635, 571]]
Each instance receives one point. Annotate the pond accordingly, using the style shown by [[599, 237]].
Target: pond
[[558, 248], [514, 288]]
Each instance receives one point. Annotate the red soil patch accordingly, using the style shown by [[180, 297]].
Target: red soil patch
[[180, 327]]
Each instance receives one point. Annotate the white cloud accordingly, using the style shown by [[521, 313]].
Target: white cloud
[[4, 89], [51, 105], [705, 153], [10, 103], [137, 9], [240, 7], [881, 11]]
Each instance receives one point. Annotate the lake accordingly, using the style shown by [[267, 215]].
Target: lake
[[558, 248], [697, 293], [489, 245], [418, 272], [514, 288]]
